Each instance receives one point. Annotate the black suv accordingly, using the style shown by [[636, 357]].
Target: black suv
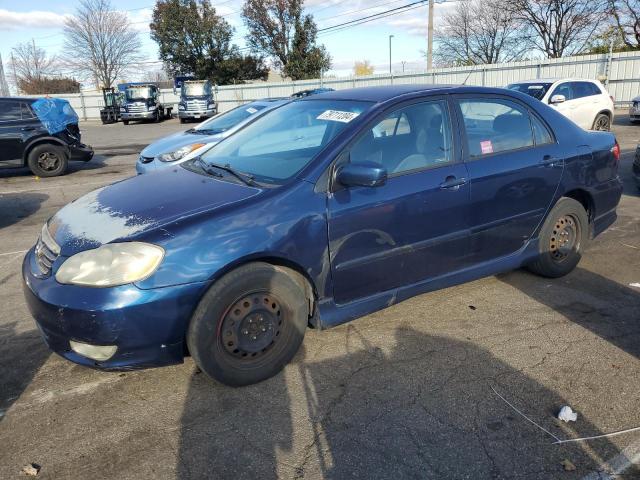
[[25, 140]]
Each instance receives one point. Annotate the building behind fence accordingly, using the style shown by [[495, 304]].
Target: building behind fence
[[620, 72]]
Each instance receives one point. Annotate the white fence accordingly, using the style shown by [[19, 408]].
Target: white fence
[[622, 70]]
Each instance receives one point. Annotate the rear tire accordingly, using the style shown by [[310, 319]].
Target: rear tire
[[564, 235], [183, 120], [602, 123], [48, 160], [126, 122], [249, 324]]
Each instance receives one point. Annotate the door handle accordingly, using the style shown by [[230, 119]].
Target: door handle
[[27, 129], [549, 161], [453, 183]]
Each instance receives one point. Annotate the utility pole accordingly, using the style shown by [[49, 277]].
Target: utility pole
[[4, 88], [430, 37], [15, 75], [390, 71]]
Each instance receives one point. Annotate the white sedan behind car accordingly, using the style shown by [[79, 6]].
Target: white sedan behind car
[[584, 101]]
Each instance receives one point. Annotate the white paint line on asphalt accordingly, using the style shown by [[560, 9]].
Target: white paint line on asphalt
[[637, 285], [13, 253], [617, 465], [630, 246], [51, 187]]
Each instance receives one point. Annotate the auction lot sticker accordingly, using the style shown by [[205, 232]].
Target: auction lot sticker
[[486, 147], [337, 116]]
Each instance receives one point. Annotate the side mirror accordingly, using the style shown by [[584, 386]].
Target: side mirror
[[364, 174], [557, 99]]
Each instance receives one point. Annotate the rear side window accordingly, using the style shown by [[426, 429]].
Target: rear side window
[[27, 113], [541, 133], [495, 126], [584, 89], [10, 111]]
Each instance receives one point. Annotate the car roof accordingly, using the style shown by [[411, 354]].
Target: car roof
[[554, 80], [21, 99]]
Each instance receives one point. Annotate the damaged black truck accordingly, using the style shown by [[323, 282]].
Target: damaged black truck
[[40, 133]]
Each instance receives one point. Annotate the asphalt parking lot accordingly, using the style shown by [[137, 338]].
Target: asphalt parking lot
[[403, 393]]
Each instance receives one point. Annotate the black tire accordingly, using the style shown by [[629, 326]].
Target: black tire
[[602, 123], [183, 120], [249, 324], [563, 238], [126, 122], [157, 117], [48, 160]]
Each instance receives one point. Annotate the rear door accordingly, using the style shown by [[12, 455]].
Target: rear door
[[415, 226], [11, 130], [514, 165]]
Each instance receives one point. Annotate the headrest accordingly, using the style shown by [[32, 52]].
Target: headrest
[[510, 122]]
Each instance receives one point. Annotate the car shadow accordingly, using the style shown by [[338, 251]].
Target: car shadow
[[14, 207], [21, 356], [422, 409], [606, 308]]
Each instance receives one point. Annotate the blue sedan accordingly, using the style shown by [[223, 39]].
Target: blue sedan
[[325, 209], [175, 149]]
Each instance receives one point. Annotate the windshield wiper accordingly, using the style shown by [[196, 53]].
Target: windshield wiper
[[243, 177]]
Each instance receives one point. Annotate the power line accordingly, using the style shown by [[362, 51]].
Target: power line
[[375, 16]]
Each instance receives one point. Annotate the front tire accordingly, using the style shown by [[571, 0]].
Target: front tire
[[602, 123], [126, 122], [249, 324], [564, 235], [48, 160]]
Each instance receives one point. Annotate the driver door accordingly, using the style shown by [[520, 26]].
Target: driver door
[[412, 228]]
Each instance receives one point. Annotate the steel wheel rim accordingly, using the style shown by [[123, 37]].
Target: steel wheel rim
[[565, 238], [252, 326], [603, 124], [48, 161]]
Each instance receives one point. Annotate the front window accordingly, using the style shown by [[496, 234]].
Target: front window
[[138, 93], [225, 121], [536, 90], [277, 146]]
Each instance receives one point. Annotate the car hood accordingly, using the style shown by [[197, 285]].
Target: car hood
[[140, 204], [176, 141]]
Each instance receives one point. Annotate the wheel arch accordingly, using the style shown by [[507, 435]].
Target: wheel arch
[[42, 141], [604, 111], [583, 197]]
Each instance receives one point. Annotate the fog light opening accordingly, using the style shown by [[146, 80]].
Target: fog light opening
[[99, 353]]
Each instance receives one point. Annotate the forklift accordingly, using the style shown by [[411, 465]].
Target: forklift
[[112, 101]]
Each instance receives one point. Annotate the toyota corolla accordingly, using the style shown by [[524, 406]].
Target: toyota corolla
[[324, 210]]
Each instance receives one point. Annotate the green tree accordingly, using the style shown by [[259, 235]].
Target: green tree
[[279, 30], [194, 39]]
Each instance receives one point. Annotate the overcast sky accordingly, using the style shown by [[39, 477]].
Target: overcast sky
[[42, 20]]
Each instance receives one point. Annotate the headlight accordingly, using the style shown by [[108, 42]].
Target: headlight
[[152, 108], [122, 109], [111, 264], [181, 107], [180, 153], [212, 105]]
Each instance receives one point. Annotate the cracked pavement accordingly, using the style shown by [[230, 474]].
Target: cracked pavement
[[402, 393]]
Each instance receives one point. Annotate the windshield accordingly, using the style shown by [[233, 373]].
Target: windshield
[[194, 89], [536, 90], [138, 93], [283, 141], [227, 120]]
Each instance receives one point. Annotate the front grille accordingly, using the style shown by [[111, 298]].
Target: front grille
[[146, 159], [196, 105], [137, 108], [47, 251]]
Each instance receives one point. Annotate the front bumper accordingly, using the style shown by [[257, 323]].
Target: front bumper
[[196, 114], [147, 326], [138, 115], [80, 152]]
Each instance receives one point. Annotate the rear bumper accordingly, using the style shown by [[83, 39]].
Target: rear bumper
[[147, 326], [606, 201]]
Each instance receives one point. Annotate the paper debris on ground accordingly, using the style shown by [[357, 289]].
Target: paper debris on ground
[[637, 285], [568, 465], [567, 415], [31, 470]]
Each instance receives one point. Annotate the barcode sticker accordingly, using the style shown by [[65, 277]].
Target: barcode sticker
[[337, 116]]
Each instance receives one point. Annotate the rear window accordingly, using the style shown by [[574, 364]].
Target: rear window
[[536, 90], [10, 111], [495, 126]]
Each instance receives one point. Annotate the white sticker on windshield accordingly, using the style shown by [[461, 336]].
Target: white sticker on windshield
[[337, 116], [252, 110]]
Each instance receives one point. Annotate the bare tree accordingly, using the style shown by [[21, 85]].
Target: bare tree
[[627, 18], [560, 27], [30, 62], [100, 43], [478, 32]]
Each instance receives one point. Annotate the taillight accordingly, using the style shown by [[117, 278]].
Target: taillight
[[616, 151]]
